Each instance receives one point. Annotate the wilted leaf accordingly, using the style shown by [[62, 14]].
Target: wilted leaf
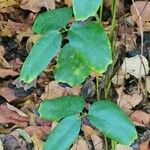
[[97, 142], [144, 11], [40, 131], [112, 121], [123, 147], [38, 144], [68, 2], [25, 86], [13, 143], [36, 5], [67, 129], [2, 50], [5, 29], [1, 145], [8, 72], [141, 117], [10, 114], [8, 94], [8, 3], [145, 145], [119, 77], [127, 102], [88, 131], [54, 90], [61, 107], [16, 64], [148, 84], [80, 144], [136, 66]]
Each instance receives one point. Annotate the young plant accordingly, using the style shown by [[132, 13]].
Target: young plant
[[103, 114], [88, 51]]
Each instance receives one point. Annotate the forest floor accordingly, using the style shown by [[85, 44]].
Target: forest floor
[[20, 125]]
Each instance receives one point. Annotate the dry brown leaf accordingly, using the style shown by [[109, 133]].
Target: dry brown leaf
[[2, 50], [8, 93], [8, 3], [140, 117], [36, 5], [126, 101], [4, 63], [81, 144], [1, 145], [144, 11], [5, 29], [40, 131], [148, 84], [16, 27], [38, 144], [97, 141], [145, 145], [119, 77], [25, 86], [123, 147], [88, 131], [68, 2], [7, 72], [53, 90], [16, 64], [10, 114], [137, 66]]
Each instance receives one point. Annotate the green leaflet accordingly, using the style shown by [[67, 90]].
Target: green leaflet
[[64, 134], [40, 56], [85, 8], [112, 121], [52, 20], [58, 108], [71, 67], [24, 135], [91, 41]]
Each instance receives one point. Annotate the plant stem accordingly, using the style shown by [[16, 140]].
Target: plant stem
[[106, 142], [97, 88], [101, 12], [112, 42], [113, 24], [113, 145], [97, 18]]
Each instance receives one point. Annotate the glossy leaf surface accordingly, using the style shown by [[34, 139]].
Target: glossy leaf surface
[[52, 20], [64, 134], [91, 41], [58, 108], [72, 67], [85, 8], [40, 56], [112, 121]]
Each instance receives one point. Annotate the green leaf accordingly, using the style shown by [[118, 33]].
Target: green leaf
[[85, 8], [58, 108], [24, 135], [40, 56], [112, 121], [52, 20], [64, 134], [71, 67], [91, 40]]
